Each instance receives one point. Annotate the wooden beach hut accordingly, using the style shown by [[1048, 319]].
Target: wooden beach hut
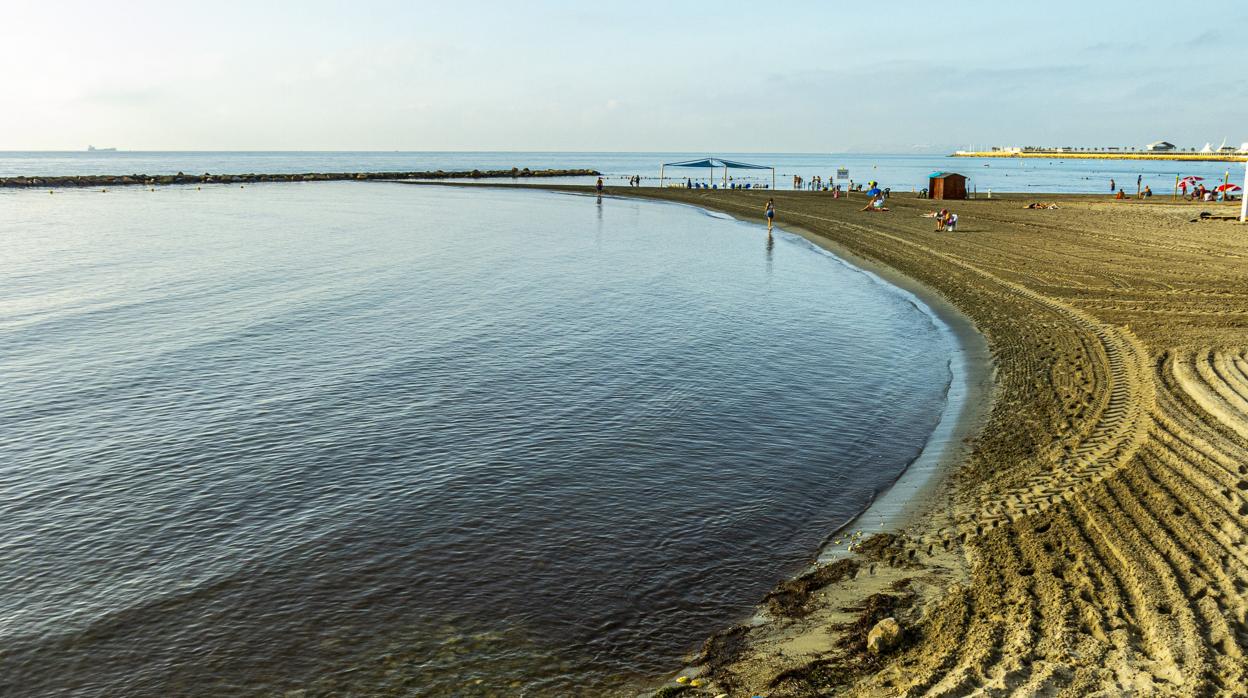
[[946, 185]]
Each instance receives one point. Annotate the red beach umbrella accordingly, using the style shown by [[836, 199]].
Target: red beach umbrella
[[1189, 180], [1228, 187]]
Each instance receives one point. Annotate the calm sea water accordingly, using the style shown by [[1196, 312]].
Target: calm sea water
[[902, 172], [380, 439]]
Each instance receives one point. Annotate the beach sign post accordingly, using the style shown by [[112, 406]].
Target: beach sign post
[[1243, 196], [842, 173]]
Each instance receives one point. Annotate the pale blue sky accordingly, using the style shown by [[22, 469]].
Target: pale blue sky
[[722, 76]]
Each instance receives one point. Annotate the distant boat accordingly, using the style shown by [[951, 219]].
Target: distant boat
[[93, 149]]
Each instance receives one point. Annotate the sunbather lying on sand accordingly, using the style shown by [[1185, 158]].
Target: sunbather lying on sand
[[1039, 204]]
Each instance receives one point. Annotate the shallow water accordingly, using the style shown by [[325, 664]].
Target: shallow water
[[400, 440]]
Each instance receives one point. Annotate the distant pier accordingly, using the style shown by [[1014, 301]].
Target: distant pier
[[1104, 155]]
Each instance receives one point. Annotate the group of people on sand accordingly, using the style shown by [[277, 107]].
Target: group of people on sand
[[634, 181], [818, 183], [1202, 193]]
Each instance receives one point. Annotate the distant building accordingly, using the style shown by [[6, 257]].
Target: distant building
[[1160, 147]]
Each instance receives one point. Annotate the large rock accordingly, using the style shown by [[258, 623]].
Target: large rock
[[884, 636]]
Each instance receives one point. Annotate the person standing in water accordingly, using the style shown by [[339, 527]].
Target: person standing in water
[[770, 212], [598, 186]]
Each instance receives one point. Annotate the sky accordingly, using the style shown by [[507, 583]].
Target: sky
[[721, 76]]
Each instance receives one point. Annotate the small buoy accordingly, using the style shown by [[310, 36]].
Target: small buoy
[[682, 679]]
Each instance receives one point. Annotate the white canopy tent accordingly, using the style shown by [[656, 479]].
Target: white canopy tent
[[712, 164]]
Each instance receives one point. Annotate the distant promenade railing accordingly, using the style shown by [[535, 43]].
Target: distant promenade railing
[[206, 178]]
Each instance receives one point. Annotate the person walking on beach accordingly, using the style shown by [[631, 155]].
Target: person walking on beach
[[598, 186], [770, 213], [1111, 184]]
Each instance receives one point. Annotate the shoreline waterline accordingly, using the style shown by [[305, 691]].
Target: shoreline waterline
[[915, 492], [967, 399]]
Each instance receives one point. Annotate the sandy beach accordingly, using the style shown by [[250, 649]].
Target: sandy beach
[[1092, 536]]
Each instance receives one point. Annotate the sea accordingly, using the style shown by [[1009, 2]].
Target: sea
[[375, 438], [899, 172]]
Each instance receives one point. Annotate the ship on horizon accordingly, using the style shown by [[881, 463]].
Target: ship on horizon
[[93, 149]]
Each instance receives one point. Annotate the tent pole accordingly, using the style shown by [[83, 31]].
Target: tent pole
[[725, 175], [661, 176], [773, 178]]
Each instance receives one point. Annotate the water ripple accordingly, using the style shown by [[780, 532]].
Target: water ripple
[[383, 439]]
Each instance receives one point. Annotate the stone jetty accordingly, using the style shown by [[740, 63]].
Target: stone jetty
[[206, 178]]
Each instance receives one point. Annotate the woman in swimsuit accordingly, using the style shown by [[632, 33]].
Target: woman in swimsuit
[[770, 212]]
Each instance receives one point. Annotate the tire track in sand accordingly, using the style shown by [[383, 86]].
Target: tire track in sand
[[1122, 424]]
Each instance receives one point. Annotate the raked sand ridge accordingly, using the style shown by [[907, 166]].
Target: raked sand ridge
[[1094, 538]]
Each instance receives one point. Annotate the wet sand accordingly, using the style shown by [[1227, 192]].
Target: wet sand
[[1091, 537]]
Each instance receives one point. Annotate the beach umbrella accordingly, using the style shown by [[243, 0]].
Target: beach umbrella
[[1228, 187], [1191, 179], [875, 191]]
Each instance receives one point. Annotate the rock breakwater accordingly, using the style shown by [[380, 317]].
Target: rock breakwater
[[208, 178]]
